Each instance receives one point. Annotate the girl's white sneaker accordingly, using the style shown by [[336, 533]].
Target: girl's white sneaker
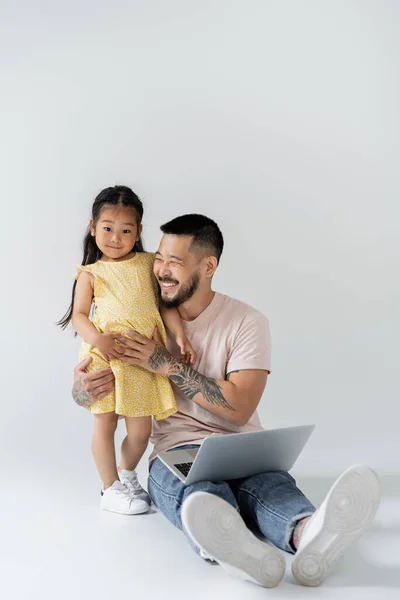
[[118, 499], [130, 480]]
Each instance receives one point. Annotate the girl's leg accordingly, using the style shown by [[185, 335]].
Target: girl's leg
[[133, 447], [103, 447]]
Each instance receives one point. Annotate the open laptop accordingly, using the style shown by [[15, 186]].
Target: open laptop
[[236, 455]]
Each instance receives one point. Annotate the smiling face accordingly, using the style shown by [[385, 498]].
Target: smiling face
[[178, 270], [116, 232]]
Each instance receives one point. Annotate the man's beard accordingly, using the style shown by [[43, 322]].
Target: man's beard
[[184, 294]]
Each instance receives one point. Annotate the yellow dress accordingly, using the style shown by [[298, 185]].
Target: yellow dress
[[126, 297]]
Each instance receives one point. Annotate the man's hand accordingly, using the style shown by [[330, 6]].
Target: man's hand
[[91, 387], [234, 399], [149, 354]]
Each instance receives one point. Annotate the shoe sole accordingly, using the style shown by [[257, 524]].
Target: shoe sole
[[219, 531], [140, 511], [351, 505]]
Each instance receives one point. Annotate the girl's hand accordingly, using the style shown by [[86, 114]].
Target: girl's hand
[[188, 355], [108, 345]]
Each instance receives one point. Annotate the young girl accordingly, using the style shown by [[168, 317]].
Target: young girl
[[117, 276]]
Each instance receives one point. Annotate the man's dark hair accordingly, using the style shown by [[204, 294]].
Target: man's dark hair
[[207, 236]]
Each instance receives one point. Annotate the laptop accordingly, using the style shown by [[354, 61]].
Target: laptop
[[236, 455]]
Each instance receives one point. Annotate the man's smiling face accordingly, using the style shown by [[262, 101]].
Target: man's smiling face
[[177, 269]]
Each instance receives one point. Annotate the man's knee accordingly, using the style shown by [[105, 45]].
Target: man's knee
[[218, 488], [168, 493]]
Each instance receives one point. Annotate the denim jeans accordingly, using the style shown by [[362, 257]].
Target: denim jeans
[[271, 500]]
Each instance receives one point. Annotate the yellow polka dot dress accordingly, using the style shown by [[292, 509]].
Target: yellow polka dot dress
[[126, 297]]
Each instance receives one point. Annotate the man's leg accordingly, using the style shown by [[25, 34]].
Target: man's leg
[[212, 532], [168, 492], [280, 510], [274, 502]]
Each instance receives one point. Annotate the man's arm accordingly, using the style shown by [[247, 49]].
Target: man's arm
[[90, 387], [234, 399]]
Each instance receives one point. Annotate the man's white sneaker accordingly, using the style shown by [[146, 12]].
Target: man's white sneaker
[[130, 480], [220, 533], [207, 558], [117, 498], [346, 512]]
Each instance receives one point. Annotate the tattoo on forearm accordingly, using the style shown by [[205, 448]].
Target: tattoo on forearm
[[192, 383], [160, 357], [81, 396], [228, 376], [187, 379]]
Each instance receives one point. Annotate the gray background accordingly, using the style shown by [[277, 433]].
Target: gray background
[[278, 119]]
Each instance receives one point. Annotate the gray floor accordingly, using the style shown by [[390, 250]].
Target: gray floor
[[55, 543]]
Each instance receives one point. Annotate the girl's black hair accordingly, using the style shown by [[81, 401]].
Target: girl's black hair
[[111, 196]]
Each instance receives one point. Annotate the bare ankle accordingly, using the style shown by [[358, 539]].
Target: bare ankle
[[298, 532], [107, 484], [126, 467]]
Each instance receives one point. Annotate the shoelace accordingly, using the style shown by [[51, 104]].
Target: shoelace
[[133, 486], [125, 493]]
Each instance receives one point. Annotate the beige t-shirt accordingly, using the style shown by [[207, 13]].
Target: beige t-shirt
[[227, 336]]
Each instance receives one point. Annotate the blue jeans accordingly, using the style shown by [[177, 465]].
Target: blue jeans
[[271, 500]]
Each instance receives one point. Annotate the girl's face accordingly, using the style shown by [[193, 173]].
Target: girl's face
[[116, 232]]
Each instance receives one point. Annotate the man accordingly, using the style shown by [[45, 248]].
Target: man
[[220, 395]]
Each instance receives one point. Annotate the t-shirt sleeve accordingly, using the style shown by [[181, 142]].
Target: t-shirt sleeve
[[252, 346]]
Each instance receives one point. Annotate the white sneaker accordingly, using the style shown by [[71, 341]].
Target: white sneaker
[[348, 509], [221, 534], [207, 558], [130, 480], [117, 498]]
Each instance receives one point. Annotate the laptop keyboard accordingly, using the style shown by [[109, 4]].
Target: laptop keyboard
[[184, 468]]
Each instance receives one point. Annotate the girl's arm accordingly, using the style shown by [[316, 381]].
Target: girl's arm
[[105, 342], [173, 323], [82, 303]]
